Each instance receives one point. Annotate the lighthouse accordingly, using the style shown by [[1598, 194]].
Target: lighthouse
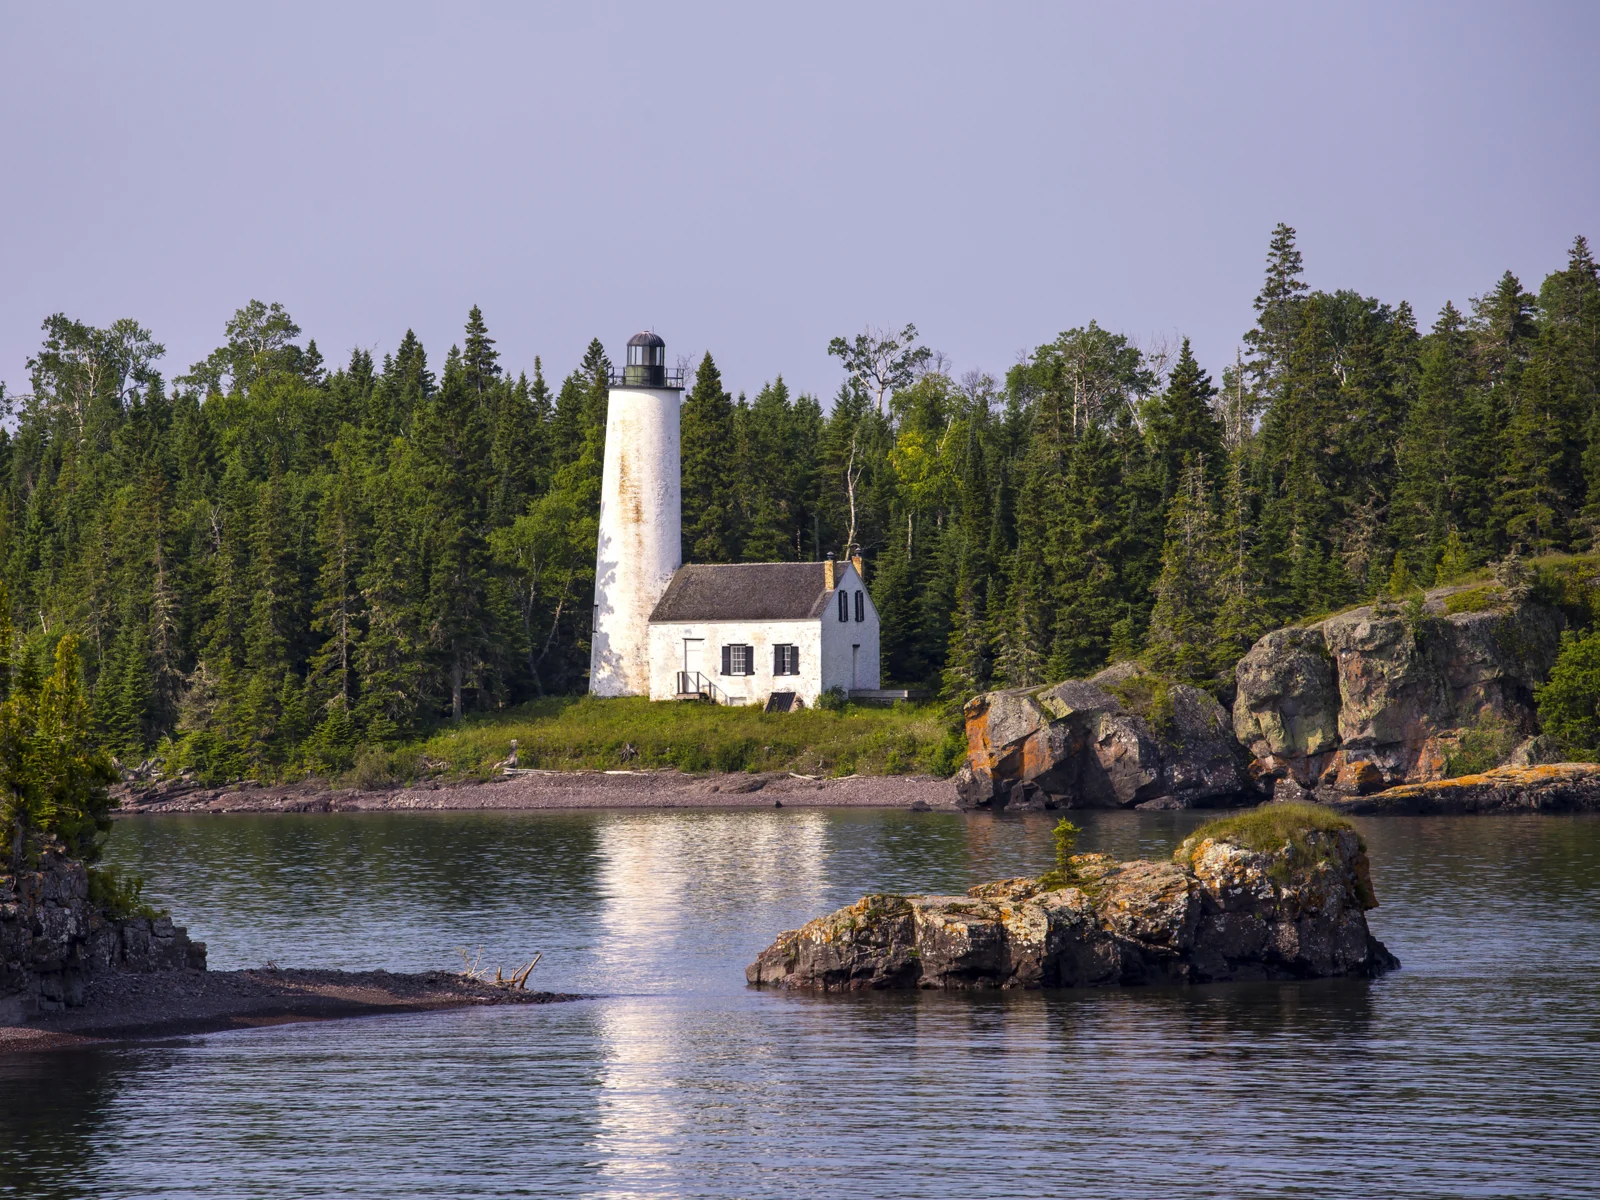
[[641, 517]]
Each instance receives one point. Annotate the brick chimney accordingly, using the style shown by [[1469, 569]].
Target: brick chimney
[[827, 573], [861, 570]]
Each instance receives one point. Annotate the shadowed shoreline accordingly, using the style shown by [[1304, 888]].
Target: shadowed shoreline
[[162, 1004]]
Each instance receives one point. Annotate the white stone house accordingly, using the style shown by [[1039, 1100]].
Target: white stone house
[[738, 633]]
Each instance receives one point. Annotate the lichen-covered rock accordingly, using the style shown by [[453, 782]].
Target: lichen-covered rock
[[1218, 911], [53, 939], [1080, 744], [1548, 787], [1380, 695]]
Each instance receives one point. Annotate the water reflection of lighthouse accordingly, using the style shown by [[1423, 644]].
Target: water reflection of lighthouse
[[655, 870]]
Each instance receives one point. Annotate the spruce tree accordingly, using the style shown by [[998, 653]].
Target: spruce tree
[[1277, 308], [710, 470], [1182, 427], [1182, 641]]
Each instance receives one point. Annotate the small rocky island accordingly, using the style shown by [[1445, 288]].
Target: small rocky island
[[1278, 893]]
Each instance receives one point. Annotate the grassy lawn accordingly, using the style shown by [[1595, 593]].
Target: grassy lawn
[[587, 733]]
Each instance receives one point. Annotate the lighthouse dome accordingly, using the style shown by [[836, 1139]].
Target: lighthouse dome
[[647, 361]]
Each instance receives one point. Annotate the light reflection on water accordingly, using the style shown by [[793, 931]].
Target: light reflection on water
[[1474, 1071]]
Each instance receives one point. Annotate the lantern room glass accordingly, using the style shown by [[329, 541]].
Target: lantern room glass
[[646, 365]]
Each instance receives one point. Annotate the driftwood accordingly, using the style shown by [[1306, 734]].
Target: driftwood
[[471, 969]]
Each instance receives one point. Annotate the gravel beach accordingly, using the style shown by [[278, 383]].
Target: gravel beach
[[552, 789]]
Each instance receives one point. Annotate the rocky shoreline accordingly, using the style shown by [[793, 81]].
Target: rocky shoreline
[[1383, 708], [1550, 788], [548, 790]]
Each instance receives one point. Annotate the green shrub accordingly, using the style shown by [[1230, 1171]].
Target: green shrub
[[1481, 748], [1569, 701], [377, 767], [1479, 599], [734, 755], [835, 699], [949, 754], [119, 895], [1453, 563]]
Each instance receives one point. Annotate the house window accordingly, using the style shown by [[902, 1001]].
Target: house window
[[786, 660], [861, 607], [844, 605], [738, 660]]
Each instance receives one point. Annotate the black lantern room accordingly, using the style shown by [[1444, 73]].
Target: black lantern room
[[647, 361]]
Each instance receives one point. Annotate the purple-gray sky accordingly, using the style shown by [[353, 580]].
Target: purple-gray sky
[[754, 179]]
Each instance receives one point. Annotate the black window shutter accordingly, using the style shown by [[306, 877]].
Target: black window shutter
[[777, 660], [861, 607], [727, 660], [749, 660], [844, 605], [794, 660]]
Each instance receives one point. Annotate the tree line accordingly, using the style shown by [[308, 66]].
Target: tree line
[[268, 563]]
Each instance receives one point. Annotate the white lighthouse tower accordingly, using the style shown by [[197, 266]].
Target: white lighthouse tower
[[641, 517]]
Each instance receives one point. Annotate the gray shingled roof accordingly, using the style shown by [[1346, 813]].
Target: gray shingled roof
[[744, 592]]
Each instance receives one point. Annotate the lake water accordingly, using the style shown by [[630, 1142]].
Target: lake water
[[1475, 1071]]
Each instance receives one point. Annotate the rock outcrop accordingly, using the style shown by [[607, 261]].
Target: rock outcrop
[[1219, 911], [1553, 787], [1382, 694], [53, 939], [1121, 739]]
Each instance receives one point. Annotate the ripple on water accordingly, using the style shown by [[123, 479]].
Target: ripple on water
[[1474, 1071]]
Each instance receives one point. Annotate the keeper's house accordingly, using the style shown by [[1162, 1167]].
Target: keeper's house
[[743, 633]]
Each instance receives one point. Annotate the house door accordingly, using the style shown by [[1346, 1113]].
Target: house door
[[694, 657], [855, 666]]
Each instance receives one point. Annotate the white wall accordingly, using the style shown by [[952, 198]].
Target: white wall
[[825, 651], [641, 535], [666, 658], [839, 636]]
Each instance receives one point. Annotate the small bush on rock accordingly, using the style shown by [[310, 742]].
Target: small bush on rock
[[1481, 748], [1066, 836], [1569, 701], [119, 894]]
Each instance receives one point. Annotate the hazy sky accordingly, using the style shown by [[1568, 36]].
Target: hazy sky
[[754, 180]]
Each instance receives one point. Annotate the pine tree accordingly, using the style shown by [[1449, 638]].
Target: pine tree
[[710, 466], [342, 539], [448, 441], [1182, 641], [1082, 556], [766, 505], [1182, 427], [480, 361], [1277, 308]]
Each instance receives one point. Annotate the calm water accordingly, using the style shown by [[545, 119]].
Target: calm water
[[1474, 1071]]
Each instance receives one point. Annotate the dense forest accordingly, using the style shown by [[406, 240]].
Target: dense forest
[[268, 563]]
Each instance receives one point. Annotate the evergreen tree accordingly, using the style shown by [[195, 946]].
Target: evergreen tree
[[1182, 640], [1182, 427], [710, 470]]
